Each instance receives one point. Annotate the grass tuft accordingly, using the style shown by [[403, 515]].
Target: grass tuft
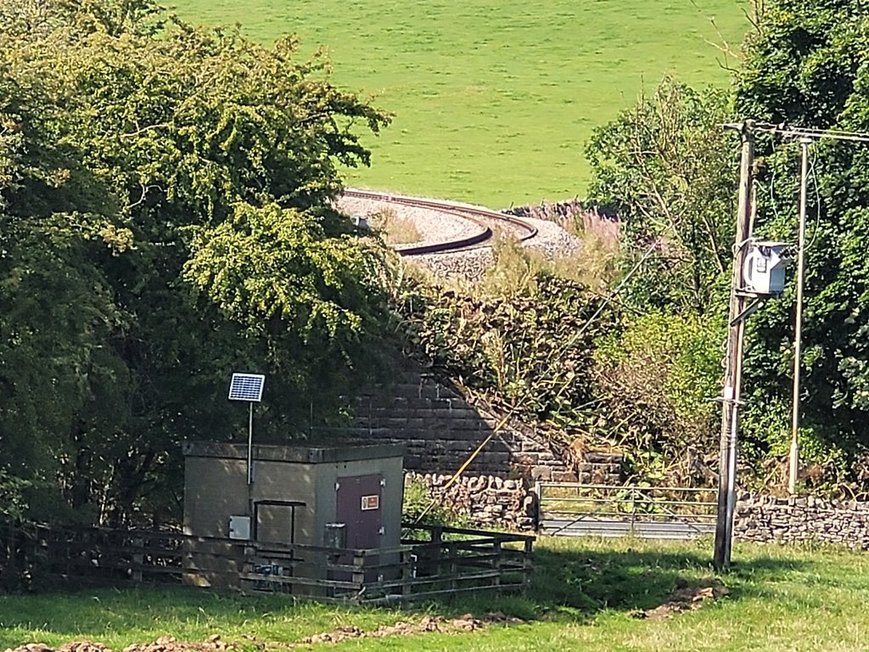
[[396, 230]]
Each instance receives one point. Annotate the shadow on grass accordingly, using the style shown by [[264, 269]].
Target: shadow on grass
[[573, 581]]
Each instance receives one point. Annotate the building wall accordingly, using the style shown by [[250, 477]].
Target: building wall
[[288, 481], [213, 490], [216, 488]]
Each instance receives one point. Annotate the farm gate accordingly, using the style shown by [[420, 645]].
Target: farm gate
[[576, 509]]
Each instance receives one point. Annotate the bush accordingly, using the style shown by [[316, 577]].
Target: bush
[[418, 508], [656, 378]]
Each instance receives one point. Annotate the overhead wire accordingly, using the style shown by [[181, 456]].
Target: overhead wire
[[815, 184], [812, 132]]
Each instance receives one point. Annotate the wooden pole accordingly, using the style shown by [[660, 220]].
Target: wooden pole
[[733, 360]]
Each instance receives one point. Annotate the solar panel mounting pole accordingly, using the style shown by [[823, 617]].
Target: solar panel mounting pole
[[249, 388], [250, 444]]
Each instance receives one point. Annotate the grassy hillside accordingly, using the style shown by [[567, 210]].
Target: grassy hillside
[[588, 595], [494, 99]]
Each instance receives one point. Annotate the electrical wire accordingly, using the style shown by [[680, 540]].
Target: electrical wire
[[817, 226], [812, 132]]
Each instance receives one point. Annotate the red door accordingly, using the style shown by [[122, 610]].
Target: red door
[[359, 507]]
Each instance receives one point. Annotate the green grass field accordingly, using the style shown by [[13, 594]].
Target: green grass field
[[583, 598], [493, 99]]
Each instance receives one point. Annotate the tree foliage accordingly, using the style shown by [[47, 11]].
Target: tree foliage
[[667, 168], [164, 220], [655, 377], [670, 171], [807, 65]]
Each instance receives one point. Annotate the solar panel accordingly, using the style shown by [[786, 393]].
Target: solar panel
[[247, 387]]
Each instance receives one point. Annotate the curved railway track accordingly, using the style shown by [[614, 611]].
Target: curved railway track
[[487, 220]]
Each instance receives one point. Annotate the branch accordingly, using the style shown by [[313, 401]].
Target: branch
[[145, 190]]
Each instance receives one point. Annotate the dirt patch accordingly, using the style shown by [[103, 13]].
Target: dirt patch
[[162, 644], [685, 597], [169, 644], [466, 623]]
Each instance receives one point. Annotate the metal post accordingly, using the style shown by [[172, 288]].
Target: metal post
[[733, 361], [794, 462], [250, 445]]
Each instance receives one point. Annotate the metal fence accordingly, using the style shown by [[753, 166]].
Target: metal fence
[[576, 509]]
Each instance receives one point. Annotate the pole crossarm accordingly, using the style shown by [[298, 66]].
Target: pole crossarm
[[812, 132]]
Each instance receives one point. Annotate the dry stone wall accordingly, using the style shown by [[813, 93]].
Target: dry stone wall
[[485, 500], [805, 519]]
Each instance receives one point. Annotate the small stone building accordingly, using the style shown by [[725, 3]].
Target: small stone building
[[344, 495]]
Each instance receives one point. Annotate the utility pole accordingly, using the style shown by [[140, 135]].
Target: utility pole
[[733, 361], [794, 466]]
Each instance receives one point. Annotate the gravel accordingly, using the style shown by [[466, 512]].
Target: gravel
[[441, 226], [434, 226]]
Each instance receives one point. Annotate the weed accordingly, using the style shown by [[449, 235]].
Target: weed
[[395, 228]]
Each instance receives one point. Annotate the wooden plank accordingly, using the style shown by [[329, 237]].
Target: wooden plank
[[300, 581]]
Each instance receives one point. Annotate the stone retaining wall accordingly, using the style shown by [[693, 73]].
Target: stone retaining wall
[[441, 429]]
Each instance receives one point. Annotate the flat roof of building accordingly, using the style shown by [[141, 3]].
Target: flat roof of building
[[342, 451]]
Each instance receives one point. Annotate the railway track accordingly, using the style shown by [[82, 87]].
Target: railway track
[[488, 221]]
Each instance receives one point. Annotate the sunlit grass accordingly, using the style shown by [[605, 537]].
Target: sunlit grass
[[395, 228], [585, 596], [494, 99]]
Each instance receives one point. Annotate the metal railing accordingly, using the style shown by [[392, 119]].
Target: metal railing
[[577, 509]]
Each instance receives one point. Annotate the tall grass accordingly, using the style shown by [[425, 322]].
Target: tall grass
[[396, 229], [515, 267]]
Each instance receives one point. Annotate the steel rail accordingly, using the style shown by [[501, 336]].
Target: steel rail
[[472, 213]]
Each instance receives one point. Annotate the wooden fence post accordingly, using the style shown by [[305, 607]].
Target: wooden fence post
[[496, 562], [527, 563], [358, 574], [406, 572], [138, 559]]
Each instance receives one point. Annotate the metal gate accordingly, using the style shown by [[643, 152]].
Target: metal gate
[[575, 509]]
